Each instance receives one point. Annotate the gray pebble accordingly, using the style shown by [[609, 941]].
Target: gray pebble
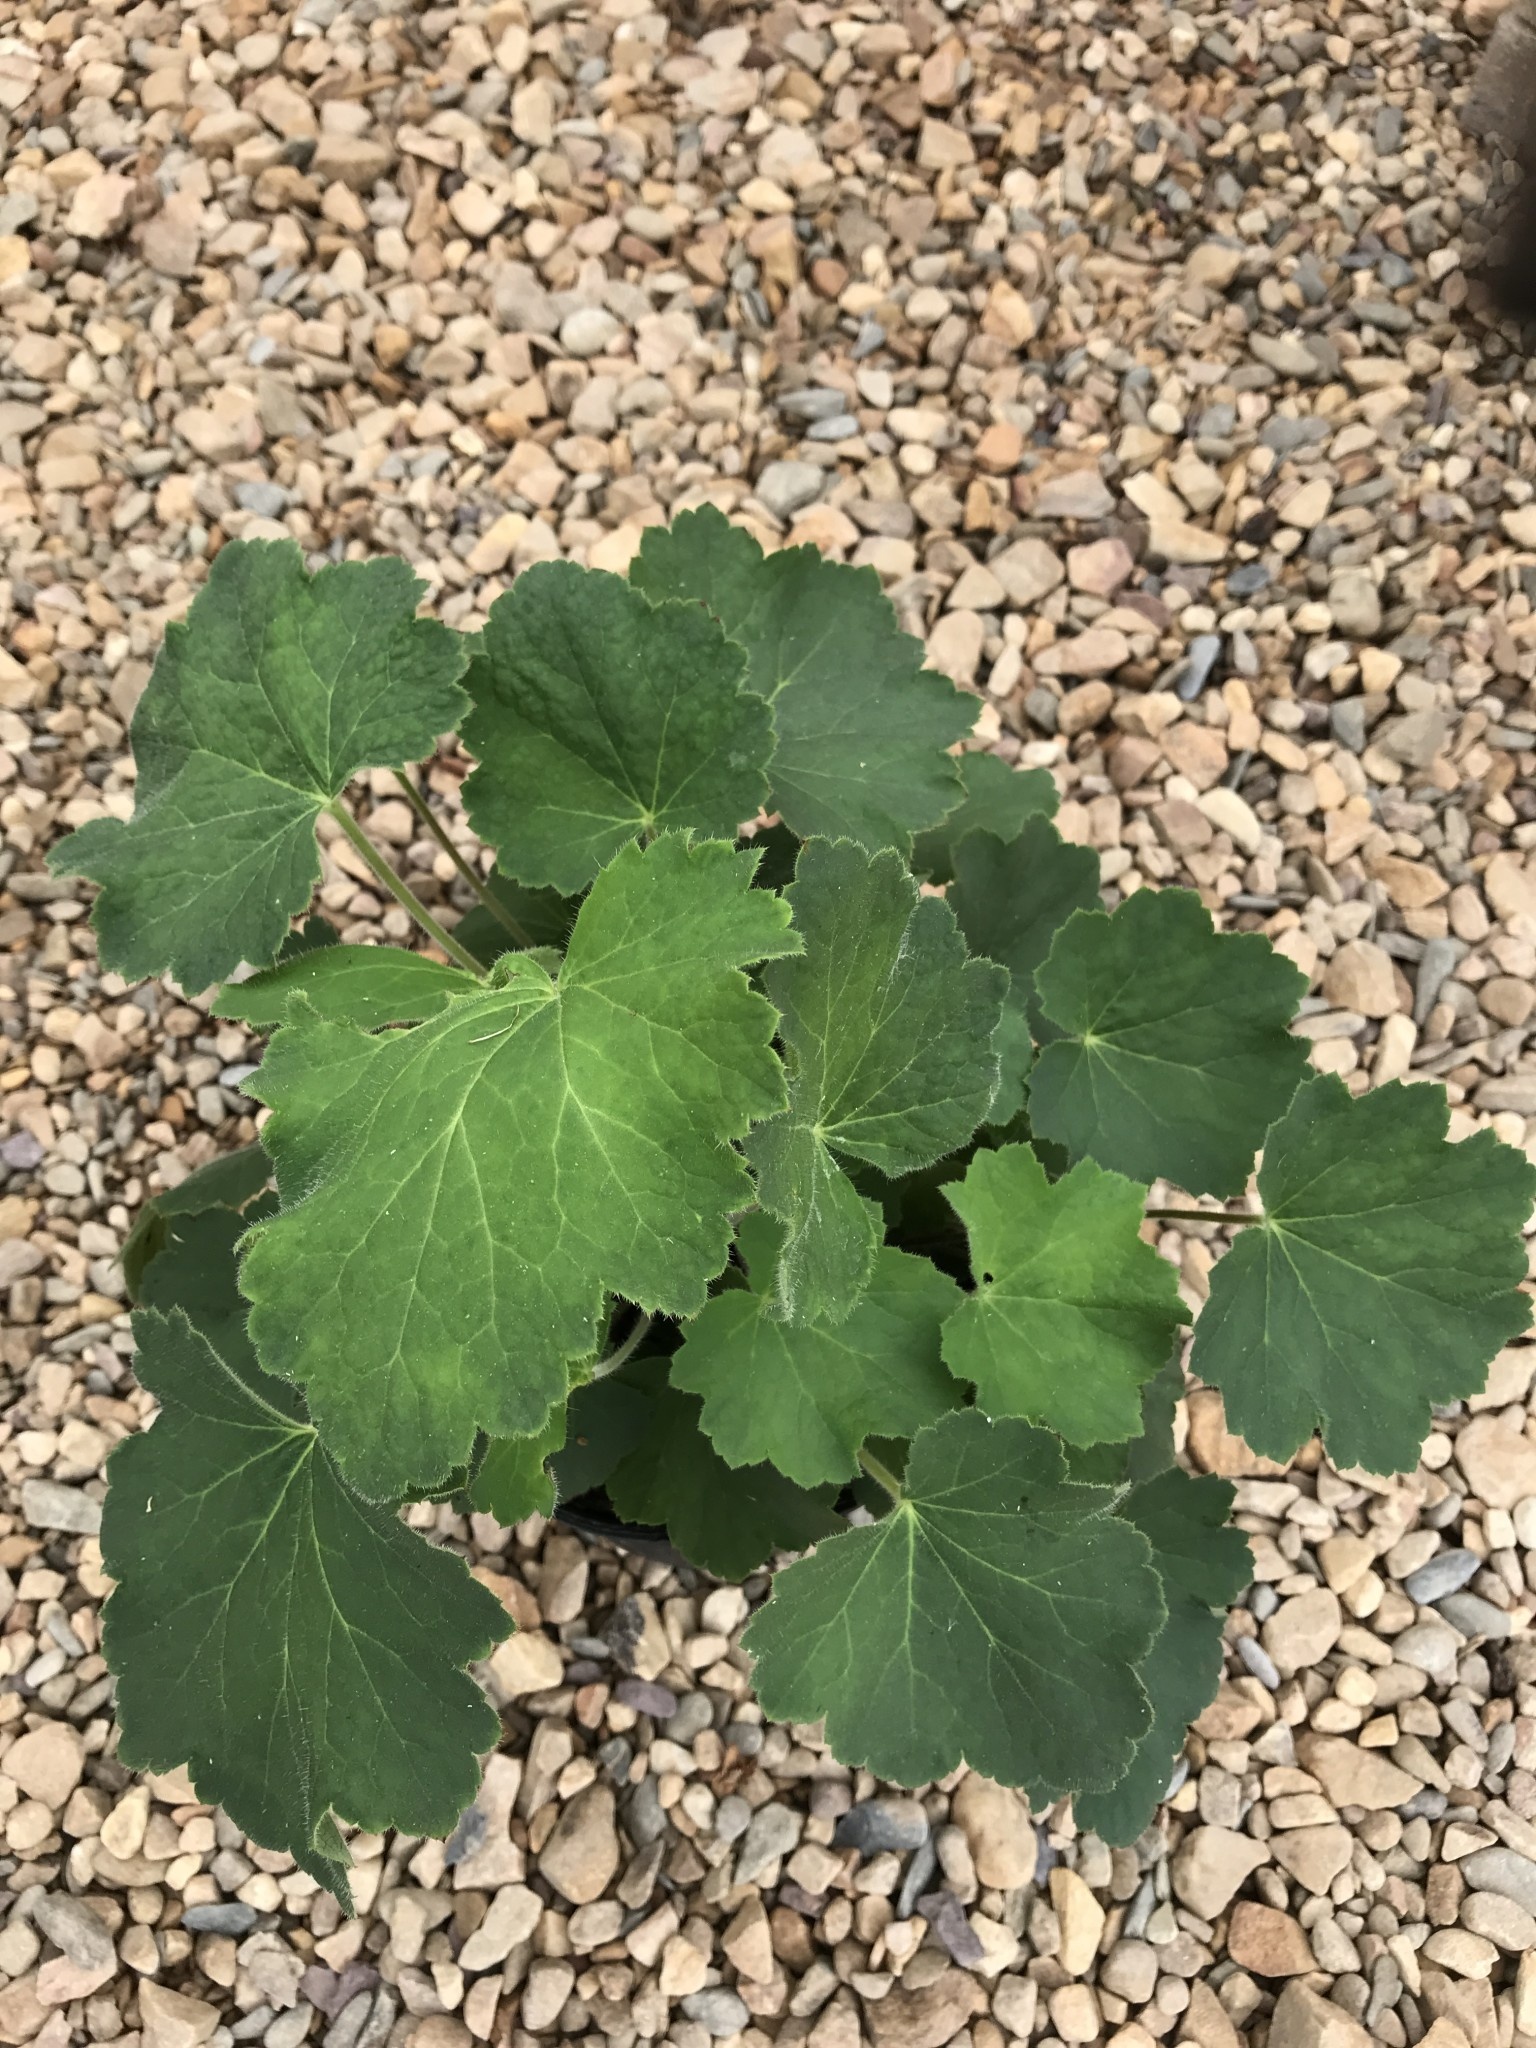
[[1504, 1871], [842, 427], [788, 487], [946, 1916], [71, 1925], [1204, 653], [645, 1696], [1474, 1616], [266, 500], [733, 1816], [47, 1505], [232, 1916], [815, 402], [877, 1824], [1446, 1572], [643, 1816], [1440, 956], [1253, 1654], [915, 1881], [718, 2011], [774, 1832], [288, 2029], [693, 1713]]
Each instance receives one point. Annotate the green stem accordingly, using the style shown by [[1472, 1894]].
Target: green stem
[[881, 1474], [429, 818], [622, 1353], [406, 898], [1237, 1216]]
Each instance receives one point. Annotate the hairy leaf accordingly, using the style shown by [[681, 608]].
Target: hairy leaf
[[805, 1399], [599, 716], [265, 702], [1072, 1313], [1010, 900], [299, 1650], [724, 1521], [309, 937], [995, 1616], [998, 799], [1176, 1055], [862, 726], [888, 1029], [1384, 1276], [1204, 1566], [363, 985], [513, 1481], [457, 1198], [229, 1183]]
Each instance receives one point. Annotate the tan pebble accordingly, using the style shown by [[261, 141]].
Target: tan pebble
[[926, 2018], [997, 1827], [582, 1854], [47, 1762], [1359, 977], [1083, 708], [170, 2019], [1081, 1917], [1351, 1776], [1074, 2011], [1467, 1955], [1303, 2018], [1210, 1865], [1267, 1941], [1314, 1856], [1303, 1630]]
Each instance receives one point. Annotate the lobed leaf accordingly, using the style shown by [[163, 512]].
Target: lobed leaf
[[804, 1399], [995, 1617], [888, 1031], [298, 1649], [598, 717], [862, 727], [368, 986], [530, 918], [998, 799], [1204, 1567], [1176, 1054], [265, 701], [1384, 1276], [458, 1198], [1072, 1313], [229, 1182], [513, 1479]]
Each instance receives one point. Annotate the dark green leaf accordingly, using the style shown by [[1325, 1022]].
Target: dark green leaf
[[598, 717], [513, 1481], [194, 1270], [1072, 1313], [605, 1420], [298, 1650], [457, 1198], [225, 1183], [265, 702], [1204, 1567], [543, 917], [309, 937], [888, 1029], [805, 1399], [1176, 1055], [363, 985], [1384, 1276], [998, 799], [862, 726], [995, 1617]]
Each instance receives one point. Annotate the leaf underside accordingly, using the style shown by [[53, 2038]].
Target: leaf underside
[[888, 1031], [1384, 1277], [1175, 1055], [862, 727], [458, 1198], [264, 703], [363, 985]]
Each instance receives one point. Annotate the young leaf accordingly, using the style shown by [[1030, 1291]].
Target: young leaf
[[300, 1651], [995, 1616], [862, 726], [888, 1028], [598, 717], [1204, 1566], [805, 1399], [1010, 901], [724, 1521], [1384, 1276], [1176, 1055], [543, 917], [513, 1482], [265, 702], [364, 985], [998, 799], [458, 1197], [605, 1420], [226, 1183], [1072, 1313]]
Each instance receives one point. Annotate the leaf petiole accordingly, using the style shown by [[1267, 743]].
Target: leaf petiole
[[405, 897], [1237, 1216], [881, 1474], [623, 1353], [433, 823]]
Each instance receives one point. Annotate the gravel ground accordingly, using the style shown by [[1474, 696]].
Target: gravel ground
[[1135, 349]]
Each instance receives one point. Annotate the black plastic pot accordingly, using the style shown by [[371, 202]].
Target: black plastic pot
[[591, 1515]]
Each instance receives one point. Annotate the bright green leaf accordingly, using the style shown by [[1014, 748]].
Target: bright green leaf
[[265, 702], [363, 985], [862, 726], [599, 716], [299, 1650], [1204, 1566], [458, 1197], [995, 1617], [1072, 1313], [998, 799], [1176, 1056], [513, 1480], [1384, 1276], [225, 1183], [888, 1029], [724, 1521], [805, 1399]]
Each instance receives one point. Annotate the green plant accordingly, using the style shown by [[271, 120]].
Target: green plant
[[731, 1175]]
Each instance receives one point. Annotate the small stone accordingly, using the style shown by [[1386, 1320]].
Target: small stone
[[927, 2018], [748, 1941], [1267, 1941], [1099, 567], [1446, 1572], [1184, 545], [48, 1505], [589, 331], [1499, 1920], [510, 1918], [1504, 1871], [83, 1935], [720, 2012], [998, 1829], [1074, 494], [1028, 571], [879, 1824], [550, 1980], [1499, 1462], [1083, 708], [787, 487], [1081, 1918], [1097, 652], [645, 1696], [99, 206], [774, 1832], [1520, 525], [1355, 602], [1359, 977], [170, 2019], [1351, 1776], [231, 1916], [351, 160], [1313, 1856], [1210, 1865], [526, 1662], [1303, 1630], [582, 1853], [46, 1763], [1232, 814], [1303, 2018]]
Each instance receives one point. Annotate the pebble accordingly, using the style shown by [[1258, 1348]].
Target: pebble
[[878, 1824], [1447, 1572]]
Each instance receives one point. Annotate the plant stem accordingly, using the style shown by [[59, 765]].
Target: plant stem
[[429, 818], [1238, 1216], [622, 1353], [881, 1474], [406, 898]]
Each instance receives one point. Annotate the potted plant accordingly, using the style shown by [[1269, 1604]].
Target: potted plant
[[726, 1181]]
